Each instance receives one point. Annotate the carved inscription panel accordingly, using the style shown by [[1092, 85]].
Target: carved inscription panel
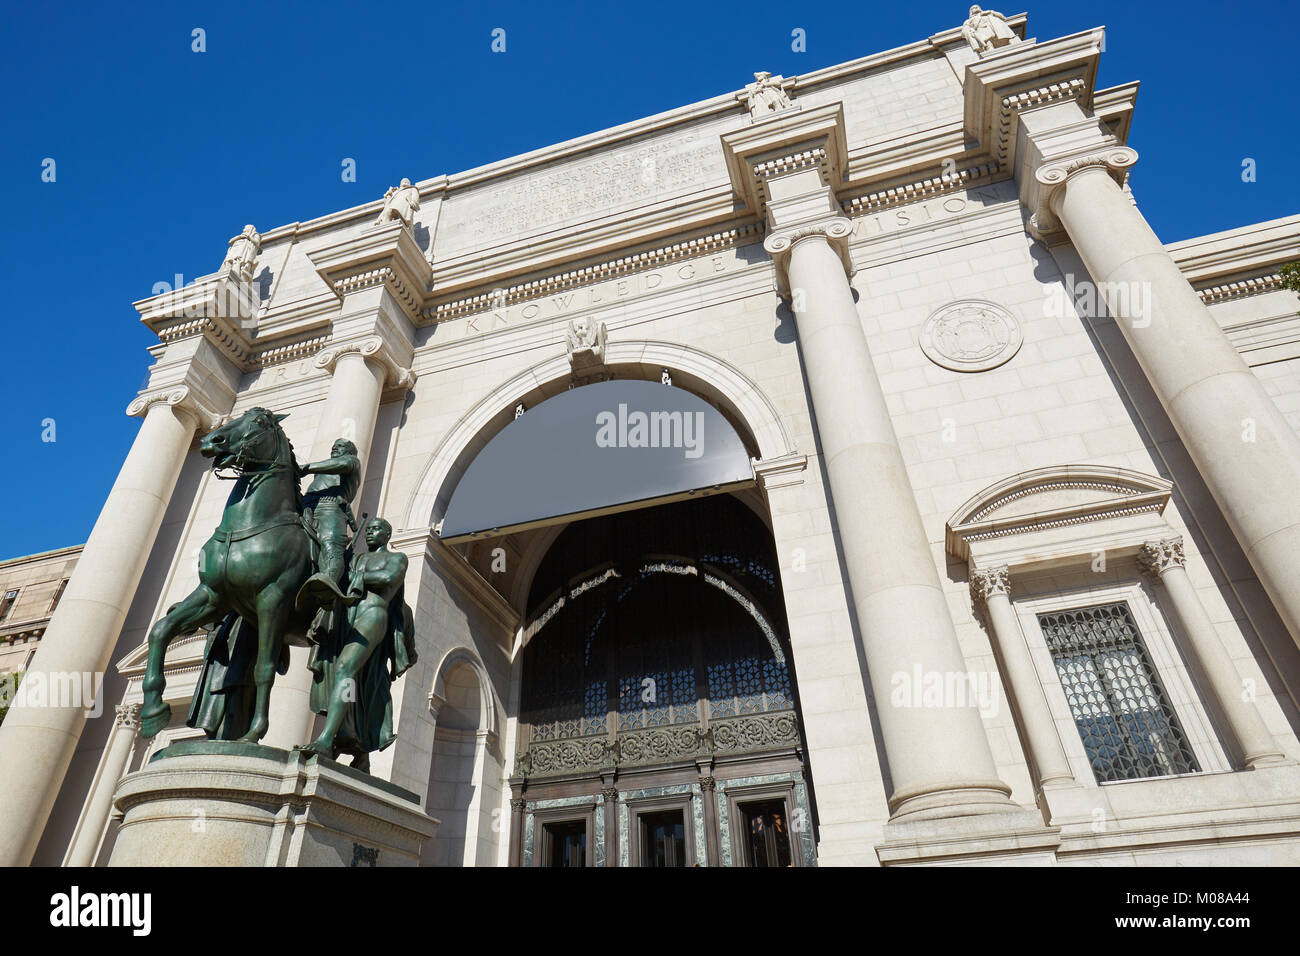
[[583, 189]]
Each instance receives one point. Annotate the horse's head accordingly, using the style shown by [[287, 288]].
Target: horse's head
[[251, 439]]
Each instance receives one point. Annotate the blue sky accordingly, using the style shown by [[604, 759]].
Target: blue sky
[[162, 153]]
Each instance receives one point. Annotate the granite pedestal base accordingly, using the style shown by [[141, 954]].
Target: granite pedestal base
[[218, 803]]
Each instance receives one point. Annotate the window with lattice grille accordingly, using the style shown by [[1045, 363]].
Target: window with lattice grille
[[1128, 727]]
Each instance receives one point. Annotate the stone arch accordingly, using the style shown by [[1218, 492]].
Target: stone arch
[[733, 393], [488, 717]]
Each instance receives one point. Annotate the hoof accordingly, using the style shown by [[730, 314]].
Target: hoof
[[154, 720]]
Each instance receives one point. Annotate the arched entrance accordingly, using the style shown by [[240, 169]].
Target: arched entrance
[[658, 722]]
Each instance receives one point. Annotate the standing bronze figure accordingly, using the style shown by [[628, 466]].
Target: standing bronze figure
[[363, 644]]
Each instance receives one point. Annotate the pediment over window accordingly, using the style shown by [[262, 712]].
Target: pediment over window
[[1051, 498]]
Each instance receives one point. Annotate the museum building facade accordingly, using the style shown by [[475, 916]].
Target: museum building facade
[[836, 471]]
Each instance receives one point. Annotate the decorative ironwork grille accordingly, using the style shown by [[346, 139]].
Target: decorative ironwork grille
[[663, 646], [1128, 727]]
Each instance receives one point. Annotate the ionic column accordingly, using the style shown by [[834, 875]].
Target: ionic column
[[1243, 447], [939, 757], [126, 726], [1164, 561], [991, 586], [37, 743], [360, 371]]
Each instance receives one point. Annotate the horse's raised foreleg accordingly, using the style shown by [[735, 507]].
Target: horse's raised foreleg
[[273, 609], [201, 607]]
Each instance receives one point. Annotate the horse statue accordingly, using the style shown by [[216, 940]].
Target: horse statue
[[249, 573]]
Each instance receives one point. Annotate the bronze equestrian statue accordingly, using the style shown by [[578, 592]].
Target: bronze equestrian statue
[[249, 573], [271, 575]]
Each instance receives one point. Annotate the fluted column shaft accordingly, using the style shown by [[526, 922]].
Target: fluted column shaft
[[939, 757], [125, 730], [1164, 561], [37, 742], [1243, 447], [1029, 704], [351, 410]]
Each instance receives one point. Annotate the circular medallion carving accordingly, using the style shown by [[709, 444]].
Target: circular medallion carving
[[972, 335]]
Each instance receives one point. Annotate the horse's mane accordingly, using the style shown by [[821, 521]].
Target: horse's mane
[[295, 465]]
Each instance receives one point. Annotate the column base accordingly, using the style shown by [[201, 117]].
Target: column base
[[1272, 759], [1016, 837], [225, 803], [946, 800]]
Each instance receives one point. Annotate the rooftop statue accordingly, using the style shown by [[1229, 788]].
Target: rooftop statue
[[987, 30], [766, 95], [241, 255], [400, 202]]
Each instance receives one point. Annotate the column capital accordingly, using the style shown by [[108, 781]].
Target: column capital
[[1050, 179], [987, 582], [376, 350], [128, 717], [436, 703], [1157, 557], [207, 413], [834, 230], [779, 472]]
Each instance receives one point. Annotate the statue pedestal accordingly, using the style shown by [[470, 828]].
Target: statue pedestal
[[220, 803]]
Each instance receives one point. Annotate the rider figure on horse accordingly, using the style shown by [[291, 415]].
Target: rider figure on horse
[[327, 510]]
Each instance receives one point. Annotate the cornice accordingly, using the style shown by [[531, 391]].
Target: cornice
[[917, 190], [287, 352], [220, 307], [784, 144], [1025, 76], [1122, 492], [385, 255], [1238, 262], [602, 271]]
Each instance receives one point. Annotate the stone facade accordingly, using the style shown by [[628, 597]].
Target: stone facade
[[975, 389], [30, 589]]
